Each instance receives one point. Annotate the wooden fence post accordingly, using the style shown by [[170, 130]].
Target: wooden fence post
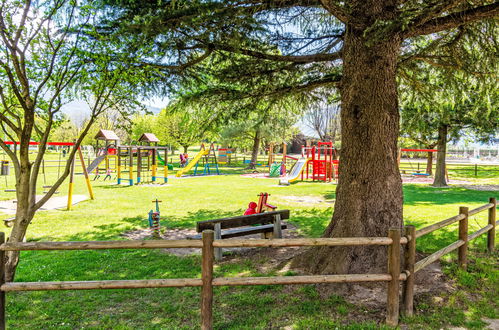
[[218, 235], [207, 278], [392, 309], [463, 235], [491, 235], [277, 226], [410, 259], [2, 281]]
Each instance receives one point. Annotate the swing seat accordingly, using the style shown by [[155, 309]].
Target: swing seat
[[420, 174], [9, 190], [45, 187]]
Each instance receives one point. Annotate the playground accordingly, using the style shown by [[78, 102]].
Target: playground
[[120, 212], [249, 165]]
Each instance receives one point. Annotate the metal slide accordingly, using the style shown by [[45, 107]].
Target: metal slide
[[192, 162], [95, 163], [295, 172]]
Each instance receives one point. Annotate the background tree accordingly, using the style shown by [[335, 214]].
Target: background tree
[[446, 94], [181, 128], [45, 61], [444, 121], [274, 125], [323, 118], [64, 130], [278, 48]]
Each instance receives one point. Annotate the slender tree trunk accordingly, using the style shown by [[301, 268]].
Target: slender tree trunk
[[22, 220], [255, 149], [429, 163], [185, 149], [369, 194], [440, 180]]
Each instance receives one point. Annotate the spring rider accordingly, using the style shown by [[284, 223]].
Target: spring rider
[[154, 219]]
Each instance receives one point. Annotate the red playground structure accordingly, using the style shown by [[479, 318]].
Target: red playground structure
[[321, 165]]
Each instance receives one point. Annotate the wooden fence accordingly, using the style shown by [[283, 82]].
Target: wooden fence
[[207, 244]]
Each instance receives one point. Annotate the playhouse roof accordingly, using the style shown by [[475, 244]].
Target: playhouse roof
[[106, 135], [148, 137]]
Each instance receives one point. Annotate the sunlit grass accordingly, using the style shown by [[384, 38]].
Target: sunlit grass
[[118, 209]]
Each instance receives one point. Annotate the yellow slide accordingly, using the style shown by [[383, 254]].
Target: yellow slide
[[295, 172], [193, 162]]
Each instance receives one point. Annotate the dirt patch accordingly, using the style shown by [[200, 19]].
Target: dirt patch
[[481, 187], [54, 203], [259, 175], [307, 200], [427, 180], [154, 185], [229, 253]]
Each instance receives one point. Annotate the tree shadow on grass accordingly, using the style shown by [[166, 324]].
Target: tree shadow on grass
[[114, 186], [114, 231], [311, 222], [422, 194]]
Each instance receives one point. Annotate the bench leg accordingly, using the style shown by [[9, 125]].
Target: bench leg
[[267, 235], [218, 235], [277, 226]]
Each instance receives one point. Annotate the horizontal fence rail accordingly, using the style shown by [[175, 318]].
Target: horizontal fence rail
[[394, 241], [343, 241], [461, 244], [193, 282], [481, 208], [101, 245], [171, 244]]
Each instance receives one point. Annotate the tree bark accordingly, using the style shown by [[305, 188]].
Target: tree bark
[[369, 193], [185, 149], [440, 180], [429, 163], [255, 149]]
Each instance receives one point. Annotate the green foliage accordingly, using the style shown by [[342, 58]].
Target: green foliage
[[450, 80], [142, 123], [65, 131], [181, 128]]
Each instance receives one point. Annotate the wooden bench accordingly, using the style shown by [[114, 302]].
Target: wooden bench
[[9, 222], [268, 224]]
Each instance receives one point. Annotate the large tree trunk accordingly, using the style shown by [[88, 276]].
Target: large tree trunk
[[369, 193], [440, 180], [255, 149], [185, 149]]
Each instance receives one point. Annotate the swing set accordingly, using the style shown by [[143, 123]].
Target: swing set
[[417, 171], [5, 171]]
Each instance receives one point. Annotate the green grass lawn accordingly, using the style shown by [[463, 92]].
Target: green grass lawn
[[118, 209]]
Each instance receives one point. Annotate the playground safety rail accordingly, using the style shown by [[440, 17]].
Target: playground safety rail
[[394, 241]]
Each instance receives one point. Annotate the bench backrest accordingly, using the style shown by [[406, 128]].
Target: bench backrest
[[243, 220]]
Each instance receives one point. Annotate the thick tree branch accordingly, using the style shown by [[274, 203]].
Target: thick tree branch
[[336, 10], [453, 20], [300, 59]]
